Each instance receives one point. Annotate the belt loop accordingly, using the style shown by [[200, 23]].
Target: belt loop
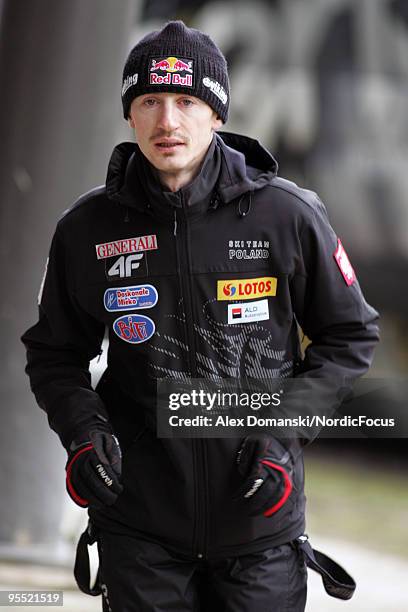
[[336, 581]]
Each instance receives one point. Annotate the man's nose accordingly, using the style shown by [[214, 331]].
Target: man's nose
[[168, 117]]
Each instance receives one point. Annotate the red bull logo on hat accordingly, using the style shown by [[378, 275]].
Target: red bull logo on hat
[[171, 71]]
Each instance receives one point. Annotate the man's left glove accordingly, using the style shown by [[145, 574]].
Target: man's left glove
[[267, 467], [94, 467]]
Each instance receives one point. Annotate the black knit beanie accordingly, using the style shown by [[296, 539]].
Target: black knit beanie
[[177, 59]]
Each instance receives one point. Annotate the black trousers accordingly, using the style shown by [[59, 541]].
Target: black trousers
[[140, 576]]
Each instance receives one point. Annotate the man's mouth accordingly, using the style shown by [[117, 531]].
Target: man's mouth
[[169, 144]]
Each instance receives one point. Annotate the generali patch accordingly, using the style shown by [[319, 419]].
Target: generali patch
[[127, 245]]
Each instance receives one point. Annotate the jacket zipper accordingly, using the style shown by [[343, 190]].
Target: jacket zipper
[[198, 444]]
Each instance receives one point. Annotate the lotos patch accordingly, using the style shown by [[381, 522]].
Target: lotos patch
[[246, 288]]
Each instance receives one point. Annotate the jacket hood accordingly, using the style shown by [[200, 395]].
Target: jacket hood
[[234, 165]]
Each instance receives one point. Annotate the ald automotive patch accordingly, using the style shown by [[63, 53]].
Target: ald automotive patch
[[246, 288], [130, 298], [248, 312]]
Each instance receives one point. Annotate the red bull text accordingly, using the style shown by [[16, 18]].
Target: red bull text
[[171, 71]]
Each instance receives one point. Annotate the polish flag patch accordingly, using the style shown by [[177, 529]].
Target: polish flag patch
[[344, 264]]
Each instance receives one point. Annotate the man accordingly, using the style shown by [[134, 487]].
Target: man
[[188, 220]]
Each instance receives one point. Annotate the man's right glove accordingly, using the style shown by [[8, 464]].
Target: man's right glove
[[94, 467], [267, 467]]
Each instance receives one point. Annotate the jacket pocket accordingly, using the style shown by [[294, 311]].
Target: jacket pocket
[[125, 415]]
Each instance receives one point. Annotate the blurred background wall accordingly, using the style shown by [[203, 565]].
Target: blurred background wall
[[322, 83], [60, 74]]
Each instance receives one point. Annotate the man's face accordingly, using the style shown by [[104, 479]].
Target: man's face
[[173, 131]]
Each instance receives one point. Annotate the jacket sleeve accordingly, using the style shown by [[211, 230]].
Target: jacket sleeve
[[59, 349], [332, 312]]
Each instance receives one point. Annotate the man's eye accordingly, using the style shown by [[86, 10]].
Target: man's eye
[[149, 102], [187, 102]]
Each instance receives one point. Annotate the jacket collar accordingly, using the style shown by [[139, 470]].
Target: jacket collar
[[193, 198], [234, 165]]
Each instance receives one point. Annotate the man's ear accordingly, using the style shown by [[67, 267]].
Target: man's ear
[[131, 123], [217, 123]]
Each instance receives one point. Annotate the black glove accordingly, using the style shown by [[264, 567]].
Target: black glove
[[94, 467], [267, 467]]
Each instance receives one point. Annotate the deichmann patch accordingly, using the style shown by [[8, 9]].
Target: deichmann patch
[[127, 245], [248, 313], [344, 264], [134, 328], [171, 71], [130, 298], [247, 288]]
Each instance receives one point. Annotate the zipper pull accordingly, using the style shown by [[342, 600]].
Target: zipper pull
[[175, 223]]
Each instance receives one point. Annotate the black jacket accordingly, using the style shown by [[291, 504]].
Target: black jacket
[[236, 220]]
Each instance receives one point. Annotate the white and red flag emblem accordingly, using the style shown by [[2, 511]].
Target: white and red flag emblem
[[344, 264]]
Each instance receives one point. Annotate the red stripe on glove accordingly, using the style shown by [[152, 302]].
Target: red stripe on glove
[[77, 499], [287, 491]]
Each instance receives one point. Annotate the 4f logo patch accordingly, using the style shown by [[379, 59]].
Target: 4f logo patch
[[344, 264], [130, 256], [125, 266]]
